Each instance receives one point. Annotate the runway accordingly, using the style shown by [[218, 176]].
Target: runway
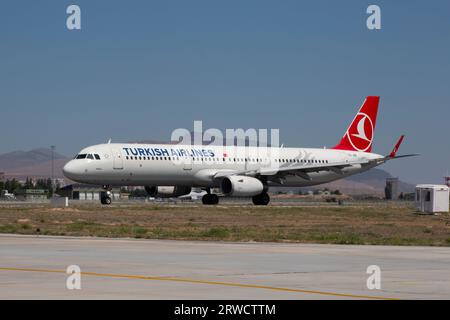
[[33, 267]]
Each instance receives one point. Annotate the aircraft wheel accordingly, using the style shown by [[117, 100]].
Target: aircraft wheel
[[206, 199], [262, 199], [105, 200], [210, 199], [214, 199]]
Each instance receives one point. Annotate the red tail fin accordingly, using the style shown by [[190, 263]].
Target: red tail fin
[[359, 135]]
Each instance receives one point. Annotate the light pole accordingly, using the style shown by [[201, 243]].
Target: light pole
[[53, 164]]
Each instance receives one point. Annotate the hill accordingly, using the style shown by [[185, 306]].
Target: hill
[[34, 163]]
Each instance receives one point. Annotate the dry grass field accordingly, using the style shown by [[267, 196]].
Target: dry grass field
[[381, 224]]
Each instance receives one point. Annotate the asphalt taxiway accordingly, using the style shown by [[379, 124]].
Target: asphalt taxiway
[[33, 267]]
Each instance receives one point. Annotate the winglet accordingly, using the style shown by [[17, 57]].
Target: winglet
[[397, 146]]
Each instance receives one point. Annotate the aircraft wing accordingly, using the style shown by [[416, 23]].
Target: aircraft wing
[[294, 169]]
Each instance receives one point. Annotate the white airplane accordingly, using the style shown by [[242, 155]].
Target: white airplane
[[173, 170]]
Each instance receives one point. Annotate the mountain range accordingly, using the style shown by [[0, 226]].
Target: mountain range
[[35, 163]]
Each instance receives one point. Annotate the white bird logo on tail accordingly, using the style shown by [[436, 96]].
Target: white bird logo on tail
[[361, 129]]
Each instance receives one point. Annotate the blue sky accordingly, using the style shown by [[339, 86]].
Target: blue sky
[[139, 69]]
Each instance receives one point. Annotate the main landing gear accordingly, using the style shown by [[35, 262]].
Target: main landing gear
[[105, 197], [262, 199], [210, 198]]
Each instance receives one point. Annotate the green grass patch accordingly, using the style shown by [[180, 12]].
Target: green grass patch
[[217, 233], [9, 228]]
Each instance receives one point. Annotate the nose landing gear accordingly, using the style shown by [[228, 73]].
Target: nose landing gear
[[105, 197]]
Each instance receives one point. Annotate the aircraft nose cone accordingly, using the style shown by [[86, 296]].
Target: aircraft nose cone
[[71, 170]]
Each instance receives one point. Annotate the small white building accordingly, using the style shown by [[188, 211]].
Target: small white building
[[432, 198]]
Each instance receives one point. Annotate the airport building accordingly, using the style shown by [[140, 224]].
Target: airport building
[[31, 195], [86, 192], [432, 198]]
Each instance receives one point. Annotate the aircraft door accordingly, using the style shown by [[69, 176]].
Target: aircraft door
[[117, 159]]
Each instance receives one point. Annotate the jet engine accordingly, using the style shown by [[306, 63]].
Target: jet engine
[[242, 186], [167, 191]]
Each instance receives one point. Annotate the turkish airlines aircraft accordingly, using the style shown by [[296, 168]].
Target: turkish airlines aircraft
[[172, 170]]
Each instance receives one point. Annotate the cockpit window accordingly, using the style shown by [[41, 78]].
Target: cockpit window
[[91, 156]]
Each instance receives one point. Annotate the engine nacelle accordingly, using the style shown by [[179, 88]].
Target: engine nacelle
[[242, 186], [167, 191]]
